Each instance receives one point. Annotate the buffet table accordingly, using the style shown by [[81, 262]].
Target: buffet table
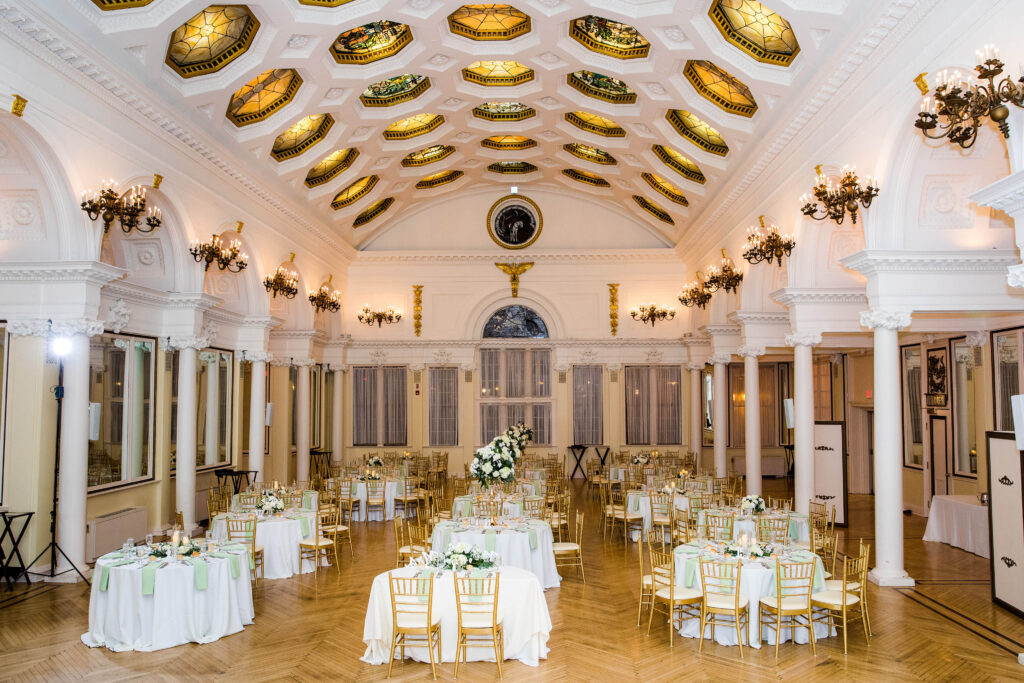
[[960, 521]]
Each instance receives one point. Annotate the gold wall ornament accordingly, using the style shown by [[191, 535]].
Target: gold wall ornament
[[514, 270], [157, 179], [613, 307], [18, 105], [921, 81], [417, 309]]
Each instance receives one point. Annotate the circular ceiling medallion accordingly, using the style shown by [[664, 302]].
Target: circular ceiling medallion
[[514, 222]]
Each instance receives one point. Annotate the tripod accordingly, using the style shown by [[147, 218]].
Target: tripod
[[52, 547]]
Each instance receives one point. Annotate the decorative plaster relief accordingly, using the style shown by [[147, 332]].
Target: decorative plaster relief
[[889, 320], [944, 202], [20, 216]]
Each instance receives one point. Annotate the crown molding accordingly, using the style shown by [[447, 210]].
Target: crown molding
[[721, 330], [874, 261], [787, 296], [297, 334], [1005, 194], [357, 344], [746, 317], [91, 272], [561, 257]]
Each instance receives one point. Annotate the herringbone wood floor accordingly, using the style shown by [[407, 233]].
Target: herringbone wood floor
[[945, 629]]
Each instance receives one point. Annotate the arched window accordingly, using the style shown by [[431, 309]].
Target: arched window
[[515, 322]]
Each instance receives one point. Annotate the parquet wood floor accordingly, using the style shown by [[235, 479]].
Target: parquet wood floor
[[945, 629]]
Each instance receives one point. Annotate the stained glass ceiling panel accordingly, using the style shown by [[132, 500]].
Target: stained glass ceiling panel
[[436, 179], [585, 177], [301, 136], [331, 165], [512, 167], [653, 209], [756, 29], [602, 87], [262, 96], [697, 131], [679, 163], [413, 126], [503, 111], [370, 42], [354, 191], [508, 142], [372, 211], [428, 155], [211, 39], [721, 87], [489, 22], [394, 90], [498, 72], [666, 188], [588, 153], [609, 37], [595, 123]]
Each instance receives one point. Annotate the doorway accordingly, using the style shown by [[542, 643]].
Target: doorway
[[939, 456]]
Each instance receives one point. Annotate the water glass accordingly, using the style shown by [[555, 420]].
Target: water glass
[[129, 545], [149, 540]]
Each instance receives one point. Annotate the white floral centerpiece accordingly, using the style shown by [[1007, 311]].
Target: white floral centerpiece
[[460, 556], [521, 435], [753, 550], [641, 459], [371, 475], [270, 504], [374, 461], [494, 464], [752, 504]]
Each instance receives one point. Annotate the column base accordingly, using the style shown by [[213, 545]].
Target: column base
[[898, 579]]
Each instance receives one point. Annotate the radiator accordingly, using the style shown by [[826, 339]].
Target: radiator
[[107, 532]]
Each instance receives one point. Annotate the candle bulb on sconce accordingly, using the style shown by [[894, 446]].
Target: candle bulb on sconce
[[128, 208], [369, 316], [284, 281], [229, 258], [652, 313]]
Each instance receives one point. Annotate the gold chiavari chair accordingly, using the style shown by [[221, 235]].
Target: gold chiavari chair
[[720, 581], [816, 508], [669, 598], [681, 529], [533, 507], [292, 500], [214, 504], [348, 502], [311, 548], [375, 496], [486, 507], [479, 625], [335, 528], [718, 526], [794, 582], [839, 605], [559, 517], [413, 621], [408, 496], [785, 504], [646, 580], [607, 513], [707, 500], [419, 539], [662, 514], [570, 553], [772, 529], [629, 519], [244, 531], [402, 551]]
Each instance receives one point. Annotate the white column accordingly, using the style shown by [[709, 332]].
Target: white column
[[72, 480], [721, 398], [257, 411], [803, 409], [752, 415], [337, 453], [888, 569], [211, 445], [185, 468], [302, 425], [696, 410]]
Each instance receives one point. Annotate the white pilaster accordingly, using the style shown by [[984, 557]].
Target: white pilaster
[[752, 415], [803, 409], [888, 464], [185, 467], [696, 418], [211, 361], [302, 424], [721, 365], [257, 410], [337, 442]]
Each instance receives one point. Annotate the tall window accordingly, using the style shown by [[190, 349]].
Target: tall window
[[515, 386], [1006, 359], [653, 405], [121, 371], [769, 401], [379, 406], [785, 392], [822, 389], [443, 406], [587, 404], [913, 444], [213, 420], [966, 386]]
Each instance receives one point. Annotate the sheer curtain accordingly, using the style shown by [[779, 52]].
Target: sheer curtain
[[364, 406], [515, 373], [587, 404], [737, 413], [443, 408], [490, 372], [394, 407], [514, 412], [542, 423], [670, 410], [490, 420], [769, 406], [541, 372], [638, 404]]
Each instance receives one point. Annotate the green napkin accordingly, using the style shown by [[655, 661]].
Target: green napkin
[[467, 508], [149, 576], [532, 533], [304, 521], [232, 559], [112, 554], [201, 572], [422, 586], [794, 530], [222, 515], [490, 540], [243, 548], [446, 537], [105, 571], [308, 500]]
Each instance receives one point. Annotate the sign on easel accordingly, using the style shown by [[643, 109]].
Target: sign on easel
[[1006, 520], [830, 468]]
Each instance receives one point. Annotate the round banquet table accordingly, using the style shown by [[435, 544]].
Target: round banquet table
[[521, 608], [462, 506], [757, 580], [280, 538], [390, 491], [310, 501], [799, 524], [513, 545], [176, 612]]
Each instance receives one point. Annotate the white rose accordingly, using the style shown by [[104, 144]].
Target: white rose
[[504, 472], [486, 467]]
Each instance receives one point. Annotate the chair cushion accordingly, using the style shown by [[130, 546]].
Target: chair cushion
[[831, 598], [837, 585], [680, 594], [416, 619], [718, 601], [405, 550], [661, 519], [793, 602], [477, 620], [561, 547], [316, 542], [629, 516]]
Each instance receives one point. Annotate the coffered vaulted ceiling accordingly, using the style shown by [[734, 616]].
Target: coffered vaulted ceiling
[[358, 110]]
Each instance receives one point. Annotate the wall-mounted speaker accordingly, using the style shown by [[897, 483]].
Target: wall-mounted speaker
[[268, 417], [787, 409], [94, 421]]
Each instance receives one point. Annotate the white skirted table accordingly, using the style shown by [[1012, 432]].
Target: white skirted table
[[376, 515], [462, 506], [960, 521], [526, 545], [139, 605], [521, 608], [280, 538]]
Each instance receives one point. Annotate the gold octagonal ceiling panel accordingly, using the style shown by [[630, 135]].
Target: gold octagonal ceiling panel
[[437, 179], [755, 29], [413, 126], [721, 87], [394, 90], [697, 131], [585, 177], [601, 87], [665, 187], [372, 211], [595, 124], [331, 165], [503, 111], [609, 37], [653, 209], [679, 163], [107, 5], [512, 167], [211, 39], [588, 153], [301, 136], [489, 22], [370, 42], [493, 73], [428, 155], [353, 192], [324, 3], [262, 96], [508, 142]]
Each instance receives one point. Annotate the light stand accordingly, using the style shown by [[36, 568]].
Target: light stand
[[61, 346]]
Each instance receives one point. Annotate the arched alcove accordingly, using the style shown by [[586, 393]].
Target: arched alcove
[[515, 322]]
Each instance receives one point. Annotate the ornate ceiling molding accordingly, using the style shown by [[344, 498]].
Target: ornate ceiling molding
[[616, 256], [875, 261], [803, 339], [789, 296], [887, 320], [91, 272]]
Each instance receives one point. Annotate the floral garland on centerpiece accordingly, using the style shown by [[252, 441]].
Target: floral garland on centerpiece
[[753, 504], [270, 503], [461, 556], [374, 461]]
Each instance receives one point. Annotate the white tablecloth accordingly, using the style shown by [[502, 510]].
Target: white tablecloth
[[122, 618], [960, 521], [513, 547], [521, 608], [390, 491], [280, 537]]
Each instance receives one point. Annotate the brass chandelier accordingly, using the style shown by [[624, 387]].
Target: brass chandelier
[[838, 200], [370, 316], [229, 258], [696, 293], [958, 106], [766, 244], [325, 298], [284, 281], [127, 208], [724, 276], [652, 313]]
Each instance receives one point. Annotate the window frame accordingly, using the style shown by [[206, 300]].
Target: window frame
[[528, 400], [600, 402], [379, 408], [653, 427], [954, 390], [430, 389], [996, 382]]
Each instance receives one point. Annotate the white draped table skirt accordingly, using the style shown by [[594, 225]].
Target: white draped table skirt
[[514, 549], [280, 538]]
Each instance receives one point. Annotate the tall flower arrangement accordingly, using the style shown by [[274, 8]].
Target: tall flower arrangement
[[495, 463]]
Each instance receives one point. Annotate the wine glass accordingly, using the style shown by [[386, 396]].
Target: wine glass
[[149, 540]]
